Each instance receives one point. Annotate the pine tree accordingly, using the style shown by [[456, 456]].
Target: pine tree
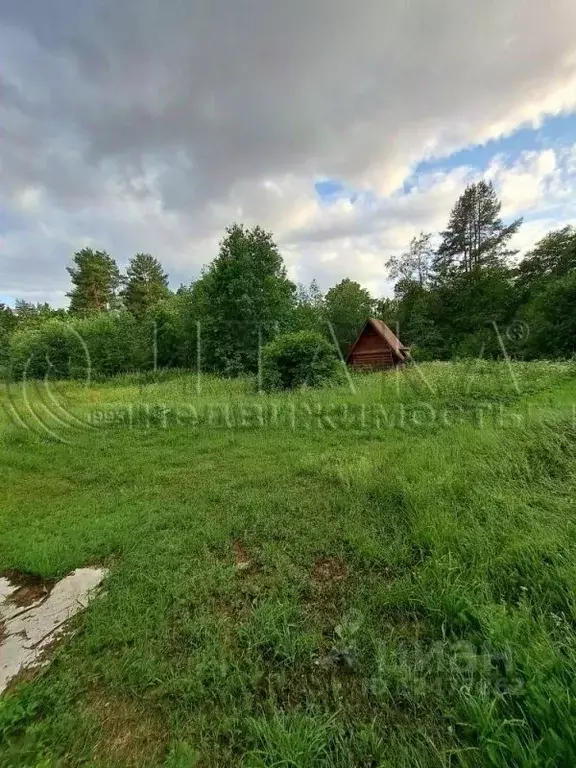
[[476, 237], [95, 278], [146, 284], [30, 314]]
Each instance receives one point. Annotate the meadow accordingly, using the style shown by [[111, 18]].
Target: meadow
[[380, 573]]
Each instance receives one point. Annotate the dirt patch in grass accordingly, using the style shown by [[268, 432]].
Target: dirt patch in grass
[[241, 556], [131, 733], [327, 570], [31, 588], [237, 607], [326, 593]]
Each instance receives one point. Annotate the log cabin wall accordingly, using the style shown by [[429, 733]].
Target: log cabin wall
[[371, 351]]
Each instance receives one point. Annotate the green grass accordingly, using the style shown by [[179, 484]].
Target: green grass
[[409, 598]]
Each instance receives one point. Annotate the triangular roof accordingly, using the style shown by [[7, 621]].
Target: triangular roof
[[384, 332]]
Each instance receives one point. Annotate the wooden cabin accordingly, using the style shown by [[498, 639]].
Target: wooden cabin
[[377, 348]]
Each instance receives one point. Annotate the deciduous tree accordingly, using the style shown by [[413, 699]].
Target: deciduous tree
[[550, 319], [348, 306], [247, 298], [553, 257], [415, 263], [309, 310]]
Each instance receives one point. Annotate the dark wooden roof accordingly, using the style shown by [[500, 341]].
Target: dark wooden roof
[[384, 332]]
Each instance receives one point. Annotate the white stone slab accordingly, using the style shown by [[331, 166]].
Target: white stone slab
[[29, 630]]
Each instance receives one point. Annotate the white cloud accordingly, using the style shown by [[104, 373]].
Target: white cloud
[[138, 126], [525, 186], [537, 184]]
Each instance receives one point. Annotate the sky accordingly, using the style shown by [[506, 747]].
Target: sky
[[345, 128]]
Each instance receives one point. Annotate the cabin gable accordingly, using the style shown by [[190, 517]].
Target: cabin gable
[[374, 349]]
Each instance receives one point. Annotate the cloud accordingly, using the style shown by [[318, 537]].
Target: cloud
[[359, 237], [146, 126]]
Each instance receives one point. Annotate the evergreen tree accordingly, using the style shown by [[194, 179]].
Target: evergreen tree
[[33, 315], [95, 278], [476, 237], [146, 284]]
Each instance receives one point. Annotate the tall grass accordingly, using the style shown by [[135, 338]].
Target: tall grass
[[405, 594]]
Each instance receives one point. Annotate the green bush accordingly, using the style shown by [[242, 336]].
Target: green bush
[[167, 327], [550, 321], [45, 350], [98, 345], [106, 344], [298, 359]]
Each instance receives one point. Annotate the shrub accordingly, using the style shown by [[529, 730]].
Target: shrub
[[107, 344], [97, 345], [298, 359], [166, 326], [37, 352], [550, 320]]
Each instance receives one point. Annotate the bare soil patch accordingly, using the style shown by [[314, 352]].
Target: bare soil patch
[[131, 733], [327, 570], [31, 588], [241, 555]]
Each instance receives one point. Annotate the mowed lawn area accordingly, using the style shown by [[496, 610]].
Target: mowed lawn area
[[379, 574]]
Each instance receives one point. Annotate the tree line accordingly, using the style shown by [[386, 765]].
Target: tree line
[[471, 296], [460, 293]]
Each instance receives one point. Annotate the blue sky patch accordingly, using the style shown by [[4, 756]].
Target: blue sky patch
[[554, 132], [329, 190]]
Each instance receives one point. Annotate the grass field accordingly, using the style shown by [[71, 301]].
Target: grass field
[[378, 574]]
